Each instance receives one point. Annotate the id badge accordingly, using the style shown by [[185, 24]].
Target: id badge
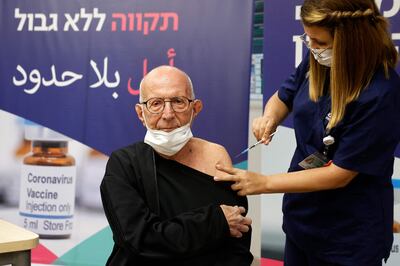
[[314, 160]]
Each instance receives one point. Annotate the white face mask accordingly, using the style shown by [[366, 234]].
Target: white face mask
[[323, 56], [168, 143]]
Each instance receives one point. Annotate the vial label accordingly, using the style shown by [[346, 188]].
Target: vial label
[[47, 199]]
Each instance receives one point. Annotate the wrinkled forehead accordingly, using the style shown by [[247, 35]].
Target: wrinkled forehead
[[165, 83]]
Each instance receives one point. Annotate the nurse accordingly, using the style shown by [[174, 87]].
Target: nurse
[[345, 100]]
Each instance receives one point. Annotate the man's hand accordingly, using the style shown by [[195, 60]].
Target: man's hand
[[238, 224]]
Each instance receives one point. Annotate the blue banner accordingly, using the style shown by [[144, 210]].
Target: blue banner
[[75, 66]]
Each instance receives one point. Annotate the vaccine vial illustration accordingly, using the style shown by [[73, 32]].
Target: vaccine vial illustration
[[47, 190]]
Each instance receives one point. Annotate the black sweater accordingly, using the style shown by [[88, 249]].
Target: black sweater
[[187, 230]]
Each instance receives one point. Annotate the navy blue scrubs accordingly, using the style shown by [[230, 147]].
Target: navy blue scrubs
[[350, 225]]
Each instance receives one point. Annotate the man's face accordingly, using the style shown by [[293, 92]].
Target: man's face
[[166, 85]]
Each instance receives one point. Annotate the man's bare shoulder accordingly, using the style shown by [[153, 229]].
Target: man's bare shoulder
[[203, 155], [209, 146], [211, 151]]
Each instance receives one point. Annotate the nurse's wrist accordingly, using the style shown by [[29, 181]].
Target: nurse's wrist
[[271, 119], [266, 185]]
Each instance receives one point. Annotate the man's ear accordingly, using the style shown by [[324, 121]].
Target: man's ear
[[139, 112], [197, 107]]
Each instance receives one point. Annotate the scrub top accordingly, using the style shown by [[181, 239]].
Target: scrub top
[[350, 225]]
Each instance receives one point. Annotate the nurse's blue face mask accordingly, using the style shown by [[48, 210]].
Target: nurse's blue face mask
[[323, 56]]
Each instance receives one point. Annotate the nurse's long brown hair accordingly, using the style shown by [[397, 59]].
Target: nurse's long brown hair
[[361, 45]]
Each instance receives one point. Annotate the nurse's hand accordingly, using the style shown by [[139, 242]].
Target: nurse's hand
[[245, 182], [263, 127], [238, 224]]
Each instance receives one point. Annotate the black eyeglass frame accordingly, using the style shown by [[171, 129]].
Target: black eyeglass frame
[[165, 101]]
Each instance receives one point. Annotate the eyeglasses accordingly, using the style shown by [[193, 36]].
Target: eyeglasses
[[156, 105], [316, 52]]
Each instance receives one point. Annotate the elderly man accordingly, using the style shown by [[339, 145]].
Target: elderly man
[[159, 195]]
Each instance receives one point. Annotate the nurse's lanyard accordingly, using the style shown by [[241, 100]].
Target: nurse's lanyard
[[317, 159], [328, 140]]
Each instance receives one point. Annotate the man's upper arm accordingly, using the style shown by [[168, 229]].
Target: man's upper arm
[[224, 156], [221, 157]]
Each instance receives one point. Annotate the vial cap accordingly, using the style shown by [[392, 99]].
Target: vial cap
[[328, 140], [40, 133]]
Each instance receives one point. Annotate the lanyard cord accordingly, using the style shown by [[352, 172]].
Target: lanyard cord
[[328, 140]]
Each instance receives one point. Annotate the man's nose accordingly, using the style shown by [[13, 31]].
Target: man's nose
[[168, 110]]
